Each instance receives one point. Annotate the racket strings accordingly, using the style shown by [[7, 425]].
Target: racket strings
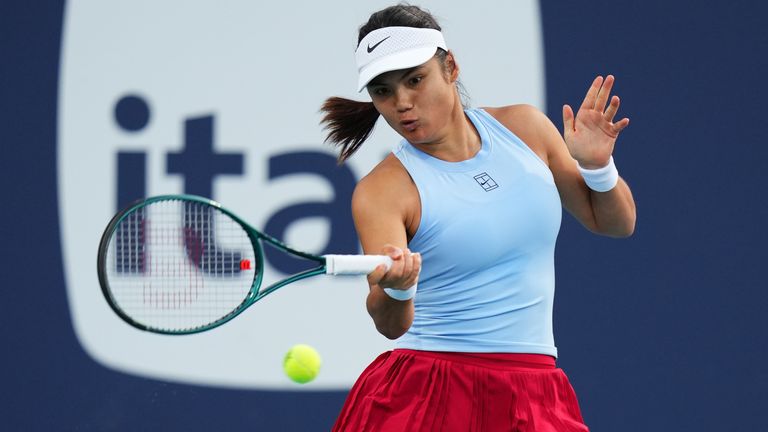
[[177, 266]]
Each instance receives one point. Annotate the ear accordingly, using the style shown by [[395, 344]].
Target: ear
[[452, 66]]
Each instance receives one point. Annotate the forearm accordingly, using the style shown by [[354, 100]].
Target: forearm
[[614, 211], [391, 317]]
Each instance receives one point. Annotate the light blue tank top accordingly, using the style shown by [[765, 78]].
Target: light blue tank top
[[487, 239]]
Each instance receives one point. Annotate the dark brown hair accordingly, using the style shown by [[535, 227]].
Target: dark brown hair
[[349, 123]]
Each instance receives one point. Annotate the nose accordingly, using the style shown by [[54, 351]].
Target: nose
[[403, 100]]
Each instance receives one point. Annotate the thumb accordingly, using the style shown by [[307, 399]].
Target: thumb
[[567, 119], [377, 275]]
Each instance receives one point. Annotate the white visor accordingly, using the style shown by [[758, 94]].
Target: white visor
[[395, 48]]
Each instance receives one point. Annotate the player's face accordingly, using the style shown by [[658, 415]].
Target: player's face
[[417, 103]]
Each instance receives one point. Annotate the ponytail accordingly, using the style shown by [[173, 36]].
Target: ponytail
[[349, 123]]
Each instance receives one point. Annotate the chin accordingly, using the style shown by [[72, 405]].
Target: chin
[[415, 137]]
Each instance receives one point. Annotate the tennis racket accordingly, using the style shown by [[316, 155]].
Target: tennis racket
[[182, 264]]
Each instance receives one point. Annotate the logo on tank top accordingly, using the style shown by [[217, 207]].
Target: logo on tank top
[[486, 182]]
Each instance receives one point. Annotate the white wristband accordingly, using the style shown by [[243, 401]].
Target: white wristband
[[601, 179], [401, 295]]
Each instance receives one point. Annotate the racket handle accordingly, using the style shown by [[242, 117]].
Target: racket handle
[[354, 264]]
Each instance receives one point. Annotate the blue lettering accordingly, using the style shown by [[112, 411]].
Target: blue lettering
[[342, 237], [197, 162], [131, 114], [200, 243]]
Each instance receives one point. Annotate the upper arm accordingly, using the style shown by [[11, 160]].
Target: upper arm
[[382, 205], [574, 193], [541, 135]]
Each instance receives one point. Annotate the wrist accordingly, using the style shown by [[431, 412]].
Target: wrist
[[600, 179]]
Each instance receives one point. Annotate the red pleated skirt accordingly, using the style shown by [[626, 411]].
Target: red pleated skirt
[[408, 390]]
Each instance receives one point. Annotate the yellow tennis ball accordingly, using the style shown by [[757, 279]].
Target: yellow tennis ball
[[302, 363]]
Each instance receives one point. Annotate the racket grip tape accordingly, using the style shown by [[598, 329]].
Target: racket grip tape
[[354, 264]]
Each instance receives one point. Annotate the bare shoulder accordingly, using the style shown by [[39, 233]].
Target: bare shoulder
[[528, 123], [514, 114], [388, 178], [385, 206], [387, 191]]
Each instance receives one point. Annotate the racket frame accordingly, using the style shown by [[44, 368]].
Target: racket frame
[[256, 237]]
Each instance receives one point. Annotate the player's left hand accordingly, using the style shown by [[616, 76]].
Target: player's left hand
[[591, 135]]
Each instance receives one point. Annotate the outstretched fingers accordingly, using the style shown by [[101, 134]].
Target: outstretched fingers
[[598, 96], [604, 93], [567, 119], [591, 98], [610, 113], [612, 109], [620, 125]]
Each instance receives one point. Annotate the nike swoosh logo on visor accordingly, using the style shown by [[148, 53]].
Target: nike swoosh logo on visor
[[371, 48]]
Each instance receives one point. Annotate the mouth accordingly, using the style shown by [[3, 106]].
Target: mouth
[[409, 125]]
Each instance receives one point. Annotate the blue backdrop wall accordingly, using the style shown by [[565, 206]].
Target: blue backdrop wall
[[664, 331]]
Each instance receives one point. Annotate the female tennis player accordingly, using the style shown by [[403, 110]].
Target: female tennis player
[[476, 195]]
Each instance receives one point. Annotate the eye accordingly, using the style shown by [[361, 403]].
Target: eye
[[379, 91], [415, 80]]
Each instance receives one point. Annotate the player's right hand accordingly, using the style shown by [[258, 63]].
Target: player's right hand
[[404, 272]]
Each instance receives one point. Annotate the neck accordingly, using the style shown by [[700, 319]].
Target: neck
[[460, 140]]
